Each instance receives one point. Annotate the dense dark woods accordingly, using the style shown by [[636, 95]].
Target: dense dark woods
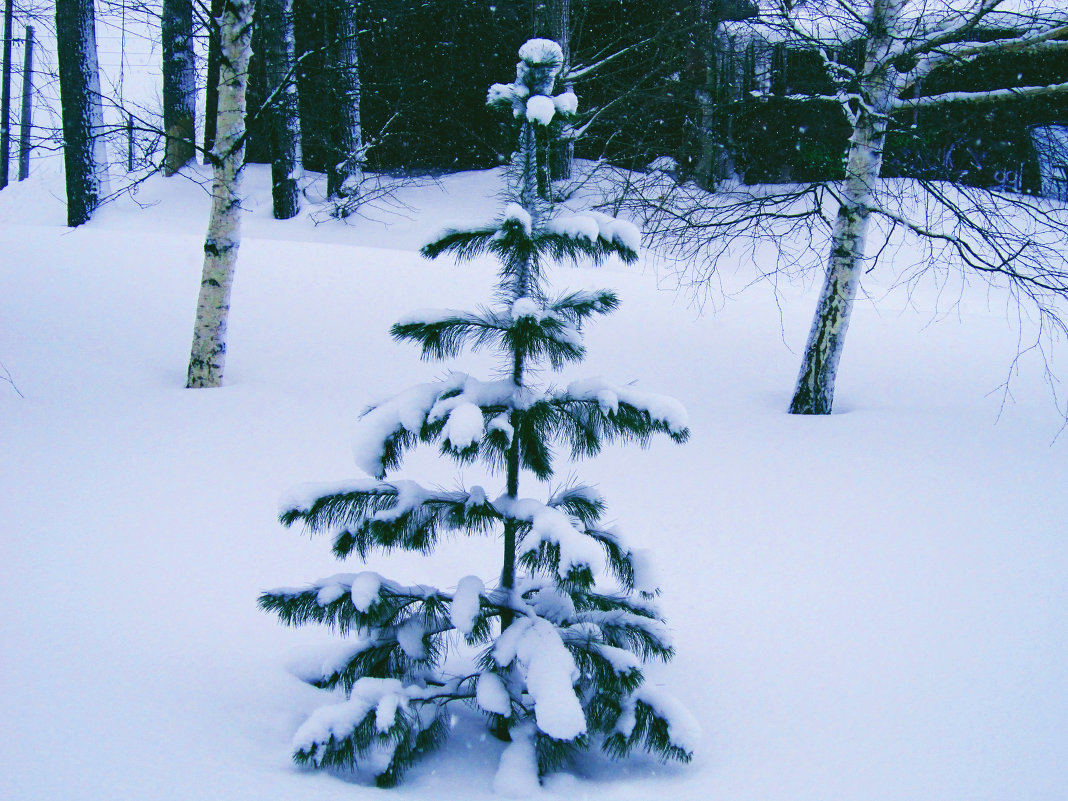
[[420, 64]]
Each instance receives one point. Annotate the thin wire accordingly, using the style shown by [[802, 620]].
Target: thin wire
[[122, 54]]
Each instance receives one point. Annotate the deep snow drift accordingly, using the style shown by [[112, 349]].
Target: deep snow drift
[[866, 606]]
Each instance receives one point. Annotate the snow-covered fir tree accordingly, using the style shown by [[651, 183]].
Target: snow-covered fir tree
[[551, 651]]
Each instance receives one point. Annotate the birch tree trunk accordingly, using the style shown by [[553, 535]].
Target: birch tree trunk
[[179, 84], [814, 393], [208, 355], [345, 172], [79, 86], [283, 113]]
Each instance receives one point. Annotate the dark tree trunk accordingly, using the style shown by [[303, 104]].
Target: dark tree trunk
[[723, 74], [552, 20], [5, 97], [211, 88], [345, 171], [179, 84], [79, 84], [712, 161], [130, 143], [276, 21], [26, 119]]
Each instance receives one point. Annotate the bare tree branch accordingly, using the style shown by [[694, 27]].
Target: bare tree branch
[[988, 96]]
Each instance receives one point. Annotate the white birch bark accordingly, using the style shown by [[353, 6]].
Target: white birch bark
[[208, 354], [814, 393]]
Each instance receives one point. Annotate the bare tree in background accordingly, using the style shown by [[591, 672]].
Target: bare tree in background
[[1000, 234], [276, 20], [552, 20], [179, 84], [345, 172], [26, 116], [715, 58]]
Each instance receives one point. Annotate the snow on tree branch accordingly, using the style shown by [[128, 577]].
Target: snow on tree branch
[[988, 96]]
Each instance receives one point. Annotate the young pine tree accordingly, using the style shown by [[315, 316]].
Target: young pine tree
[[552, 650]]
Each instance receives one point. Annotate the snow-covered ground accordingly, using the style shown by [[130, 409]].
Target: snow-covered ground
[[871, 605]]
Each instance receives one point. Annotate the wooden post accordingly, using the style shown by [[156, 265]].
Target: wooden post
[[26, 117], [5, 97], [916, 111], [129, 143]]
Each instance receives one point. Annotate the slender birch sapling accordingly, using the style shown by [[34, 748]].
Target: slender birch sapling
[[552, 650], [207, 356]]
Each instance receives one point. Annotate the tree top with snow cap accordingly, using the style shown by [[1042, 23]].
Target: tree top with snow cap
[[531, 94]]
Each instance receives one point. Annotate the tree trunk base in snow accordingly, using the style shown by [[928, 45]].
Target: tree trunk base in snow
[[203, 376], [501, 729], [807, 402], [814, 393], [207, 356], [285, 196]]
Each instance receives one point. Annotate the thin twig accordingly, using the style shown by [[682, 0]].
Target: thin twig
[[7, 377]]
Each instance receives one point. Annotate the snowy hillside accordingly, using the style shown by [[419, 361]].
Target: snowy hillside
[[868, 605]]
